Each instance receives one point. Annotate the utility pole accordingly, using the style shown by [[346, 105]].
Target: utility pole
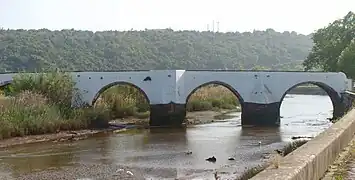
[[217, 26], [213, 26]]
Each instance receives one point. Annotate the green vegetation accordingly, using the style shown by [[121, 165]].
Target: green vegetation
[[212, 97], [41, 104], [68, 50], [125, 101], [334, 47]]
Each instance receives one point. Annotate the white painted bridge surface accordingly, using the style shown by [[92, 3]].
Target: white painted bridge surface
[[165, 86]]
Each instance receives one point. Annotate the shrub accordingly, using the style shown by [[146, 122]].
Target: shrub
[[197, 105], [125, 100], [41, 103], [28, 113], [212, 97], [58, 87]]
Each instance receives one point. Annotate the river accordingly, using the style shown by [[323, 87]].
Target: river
[[160, 153]]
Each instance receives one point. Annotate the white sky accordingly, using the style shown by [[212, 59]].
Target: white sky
[[303, 16]]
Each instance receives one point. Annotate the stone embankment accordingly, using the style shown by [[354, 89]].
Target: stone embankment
[[312, 160]]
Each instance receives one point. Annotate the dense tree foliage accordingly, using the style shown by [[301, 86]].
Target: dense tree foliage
[[334, 47], [32, 50]]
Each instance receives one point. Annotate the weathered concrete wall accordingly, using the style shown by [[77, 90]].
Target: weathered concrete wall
[[259, 87], [310, 161], [165, 86], [158, 86]]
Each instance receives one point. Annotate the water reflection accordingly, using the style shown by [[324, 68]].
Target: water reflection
[[36, 158], [176, 137]]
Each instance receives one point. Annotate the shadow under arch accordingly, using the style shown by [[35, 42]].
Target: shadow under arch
[[106, 87], [226, 85], [176, 136], [333, 95]]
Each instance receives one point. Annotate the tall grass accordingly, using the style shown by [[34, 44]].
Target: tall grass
[[41, 103], [58, 87], [125, 100], [210, 97]]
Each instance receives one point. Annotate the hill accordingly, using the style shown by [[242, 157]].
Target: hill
[[33, 50]]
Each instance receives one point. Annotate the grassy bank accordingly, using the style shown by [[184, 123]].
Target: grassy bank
[[41, 103]]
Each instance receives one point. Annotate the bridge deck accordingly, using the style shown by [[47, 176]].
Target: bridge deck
[[202, 70]]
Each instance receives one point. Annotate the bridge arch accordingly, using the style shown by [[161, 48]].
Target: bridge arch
[[220, 83], [332, 94], [116, 83]]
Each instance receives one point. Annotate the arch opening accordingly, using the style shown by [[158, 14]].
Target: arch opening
[[122, 100], [214, 95], [308, 101]]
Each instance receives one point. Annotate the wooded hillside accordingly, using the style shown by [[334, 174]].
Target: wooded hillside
[[33, 50]]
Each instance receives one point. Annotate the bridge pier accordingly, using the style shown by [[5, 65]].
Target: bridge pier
[[171, 114], [339, 110], [343, 105], [254, 114]]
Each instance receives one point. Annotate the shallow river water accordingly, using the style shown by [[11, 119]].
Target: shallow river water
[[160, 153]]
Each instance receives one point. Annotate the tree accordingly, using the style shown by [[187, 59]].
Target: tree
[[333, 48], [346, 62], [73, 50]]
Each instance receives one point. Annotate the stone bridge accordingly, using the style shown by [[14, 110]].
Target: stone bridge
[[260, 93]]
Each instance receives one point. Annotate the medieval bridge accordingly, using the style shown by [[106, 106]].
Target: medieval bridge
[[260, 93]]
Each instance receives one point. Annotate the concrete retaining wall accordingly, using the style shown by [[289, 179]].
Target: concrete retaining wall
[[310, 161]]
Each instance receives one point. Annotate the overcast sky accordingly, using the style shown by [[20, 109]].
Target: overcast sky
[[303, 16]]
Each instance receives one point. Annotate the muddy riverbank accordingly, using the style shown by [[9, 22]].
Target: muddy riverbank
[[192, 118]]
